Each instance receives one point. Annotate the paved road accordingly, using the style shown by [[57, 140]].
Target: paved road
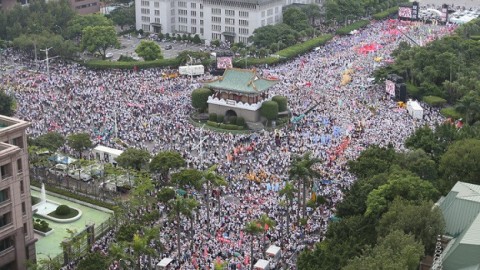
[[128, 46]]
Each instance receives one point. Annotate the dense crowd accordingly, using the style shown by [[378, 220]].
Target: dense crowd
[[147, 110]]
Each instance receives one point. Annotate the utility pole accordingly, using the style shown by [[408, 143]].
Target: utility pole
[[190, 69], [46, 59]]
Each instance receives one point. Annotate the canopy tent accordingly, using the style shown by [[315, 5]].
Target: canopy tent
[[164, 262], [57, 158], [262, 265]]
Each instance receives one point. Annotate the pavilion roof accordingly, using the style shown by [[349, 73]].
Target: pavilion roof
[[244, 81]]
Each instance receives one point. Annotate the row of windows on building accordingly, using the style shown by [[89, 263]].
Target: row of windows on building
[[216, 11], [86, 5]]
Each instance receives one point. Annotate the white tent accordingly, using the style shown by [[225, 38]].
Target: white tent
[[414, 109], [164, 263], [262, 265], [274, 252]]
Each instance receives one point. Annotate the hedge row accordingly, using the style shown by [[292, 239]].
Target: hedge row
[[285, 54], [354, 26], [224, 126], [106, 64], [434, 101], [75, 196], [450, 112], [385, 14]]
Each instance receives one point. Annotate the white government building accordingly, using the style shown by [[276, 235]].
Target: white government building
[[226, 20]]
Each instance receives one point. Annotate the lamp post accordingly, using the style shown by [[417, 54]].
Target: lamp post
[[190, 65]]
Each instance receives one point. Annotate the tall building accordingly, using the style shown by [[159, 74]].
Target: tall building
[[83, 7], [8, 4], [226, 20], [17, 242]]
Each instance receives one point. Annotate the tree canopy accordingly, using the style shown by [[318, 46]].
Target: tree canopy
[[133, 158], [6, 104], [79, 142], [99, 39], [149, 50]]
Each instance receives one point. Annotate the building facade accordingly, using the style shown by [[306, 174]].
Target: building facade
[[225, 20], [17, 241], [83, 7]]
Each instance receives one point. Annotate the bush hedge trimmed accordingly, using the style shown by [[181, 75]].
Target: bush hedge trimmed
[[41, 225], [62, 210], [212, 123], [212, 117], [285, 54], [434, 101], [106, 64], [282, 103], [451, 112], [385, 14], [354, 26], [240, 121], [220, 118], [200, 97], [269, 110]]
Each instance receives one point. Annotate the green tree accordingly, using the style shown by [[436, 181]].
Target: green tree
[[165, 161], [93, 261], [133, 158], [424, 221], [99, 39], [420, 163], [403, 184], [282, 103], [288, 191], [50, 141], [396, 251], [200, 97], [166, 194], [460, 163], [181, 207], [79, 23], [252, 228], [269, 110], [211, 178], [6, 104], [372, 161], [188, 178], [296, 19], [302, 171], [312, 11], [79, 142], [149, 50], [267, 224], [123, 16], [469, 106], [196, 39]]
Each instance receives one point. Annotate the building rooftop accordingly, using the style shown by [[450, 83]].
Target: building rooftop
[[244, 81], [461, 211], [9, 123]]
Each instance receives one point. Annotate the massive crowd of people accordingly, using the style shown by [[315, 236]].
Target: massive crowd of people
[[147, 110]]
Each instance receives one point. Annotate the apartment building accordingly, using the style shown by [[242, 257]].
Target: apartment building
[[8, 4], [83, 7], [17, 242], [226, 20]]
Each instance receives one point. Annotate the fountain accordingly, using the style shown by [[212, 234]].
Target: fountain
[[45, 207], [43, 194]]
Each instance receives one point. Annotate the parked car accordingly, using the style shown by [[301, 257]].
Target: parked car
[[168, 47], [80, 174], [59, 169]]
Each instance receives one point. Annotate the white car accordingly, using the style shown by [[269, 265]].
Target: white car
[[109, 55], [59, 169], [80, 175]]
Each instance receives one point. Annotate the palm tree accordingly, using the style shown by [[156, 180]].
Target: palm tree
[[289, 192], [211, 178], [252, 228], [301, 170], [181, 206], [267, 224], [469, 106]]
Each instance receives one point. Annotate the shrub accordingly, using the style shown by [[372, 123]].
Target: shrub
[[62, 210], [354, 26], [450, 112], [231, 127], [124, 58], [106, 64], [212, 123], [240, 121], [200, 97], [269, 110], [41, 225], [222, 125], [220, 118], [212, 117], [413, 91], [434, 101], [386, 13], [232, 120], [282, 103]]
